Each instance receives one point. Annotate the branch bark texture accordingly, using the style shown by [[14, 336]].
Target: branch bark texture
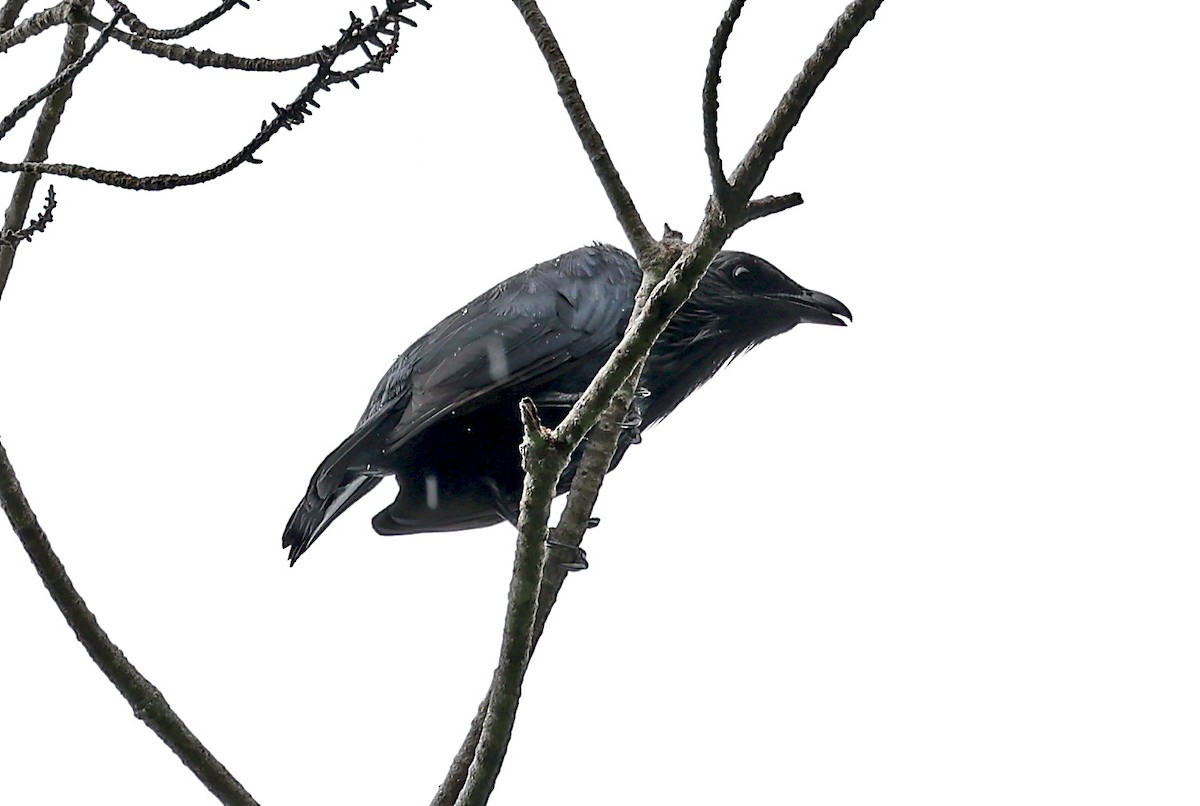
[[147, 702]]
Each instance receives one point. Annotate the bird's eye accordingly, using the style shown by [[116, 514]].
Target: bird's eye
[[742, 274]]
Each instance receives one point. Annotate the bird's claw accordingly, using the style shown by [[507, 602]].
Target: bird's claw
[[571, 558], [593, 523]]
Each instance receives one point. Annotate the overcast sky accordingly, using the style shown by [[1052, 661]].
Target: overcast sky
[[947, 555]]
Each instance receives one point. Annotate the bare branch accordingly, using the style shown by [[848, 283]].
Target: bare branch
[[209, 58], [597, 456], [750, 172], [61, 80], [358, 35], [10, 237], [147, 701], [39, 143], [9, 13], [141, 29], [710, 103], [11, 36], [543, 461], [769, 205], [228, 61], [618, 195]]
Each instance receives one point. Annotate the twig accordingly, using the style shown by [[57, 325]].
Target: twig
[[9, 13], [770, 205], [709, 102], [618, 195], [141, 29], [147, 701], [359, 35], [11, 36], [62, 79], [208, 58], [750, 172], [39, 142], [11, 238]]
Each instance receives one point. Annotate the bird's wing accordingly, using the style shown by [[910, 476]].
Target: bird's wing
[[517, 336]]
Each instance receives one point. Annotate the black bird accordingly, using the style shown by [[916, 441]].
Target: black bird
[[444, 419]]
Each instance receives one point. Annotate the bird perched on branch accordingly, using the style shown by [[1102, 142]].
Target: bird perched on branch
[[444, 419]]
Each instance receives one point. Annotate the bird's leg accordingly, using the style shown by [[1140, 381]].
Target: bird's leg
[[633, 418], [504, 507], [571, 558]]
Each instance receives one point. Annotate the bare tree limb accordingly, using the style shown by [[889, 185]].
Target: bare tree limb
[[753, 168], [548, 455], [62, 79], [39, 142], [618, 195], [597, 456], [710, 102], [9, 13], [11, 36], [359, 35], [141, 29], [208, 58], [147, 702]]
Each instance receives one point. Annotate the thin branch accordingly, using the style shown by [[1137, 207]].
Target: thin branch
[[147, 702], [769, 205], [359, 35], [597, 456], [710, 103], [208, 58], [750, 172], [229, 61], [42, 21], [618, 195], [63, 78], [141, 29], [9, 13], [543, 462], [39, 142], [11, 238]]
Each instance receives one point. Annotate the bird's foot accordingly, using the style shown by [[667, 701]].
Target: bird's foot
[[593, 523], [571, 558]]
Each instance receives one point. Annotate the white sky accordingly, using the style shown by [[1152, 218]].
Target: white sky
[[948, 555]]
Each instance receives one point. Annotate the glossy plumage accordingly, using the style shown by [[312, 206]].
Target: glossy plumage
[[443, 419]]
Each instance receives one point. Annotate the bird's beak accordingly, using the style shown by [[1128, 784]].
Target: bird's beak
[[815, 307]]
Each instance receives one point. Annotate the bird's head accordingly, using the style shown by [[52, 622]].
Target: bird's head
[[748, 295]]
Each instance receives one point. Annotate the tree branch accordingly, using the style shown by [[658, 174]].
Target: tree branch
[[39, 142], [359, 35], [141, 29], [11, 36], [709, 102], [585, 488], [618, 195], [488, 737], [147, 702], [209, 58], [63, 78], [9, 13], [769, 205], [753, 168]]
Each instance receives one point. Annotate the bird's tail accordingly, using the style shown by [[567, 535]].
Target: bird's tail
[[316, 510]]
